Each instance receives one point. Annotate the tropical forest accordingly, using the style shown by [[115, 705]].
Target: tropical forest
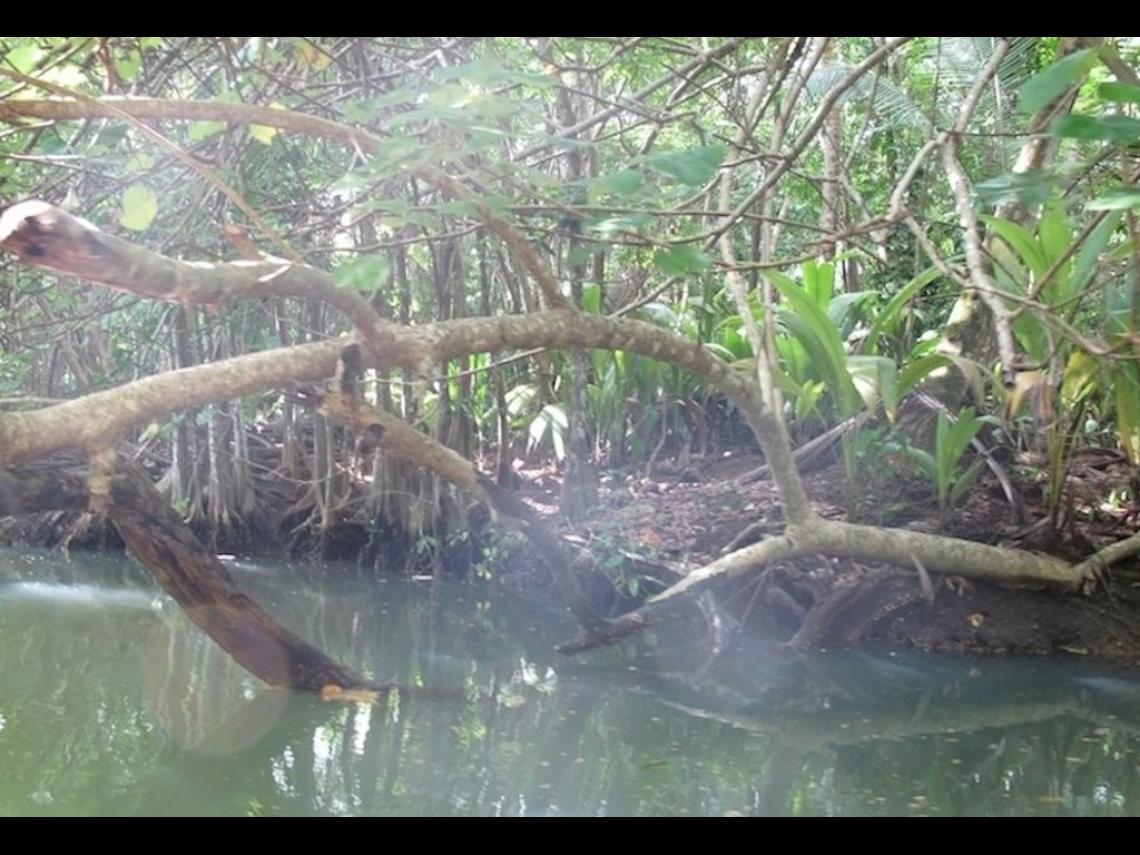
[[570, 426]]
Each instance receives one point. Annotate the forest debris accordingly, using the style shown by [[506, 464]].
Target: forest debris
[[333, 692]]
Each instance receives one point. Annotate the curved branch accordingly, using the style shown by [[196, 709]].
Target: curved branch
[[980, 278], [376, 428], [44, 236], [287, 120], [1092, 568], [41, 235]]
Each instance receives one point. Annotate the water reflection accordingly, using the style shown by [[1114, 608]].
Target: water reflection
[[112, 702]]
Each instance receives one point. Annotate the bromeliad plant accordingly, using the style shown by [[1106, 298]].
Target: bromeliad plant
[[944, 467], [1049, 267], [818, 368]]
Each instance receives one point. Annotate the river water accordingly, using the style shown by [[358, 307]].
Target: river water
[[113, 703]]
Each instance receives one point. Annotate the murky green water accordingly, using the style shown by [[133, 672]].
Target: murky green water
[[111, 702]]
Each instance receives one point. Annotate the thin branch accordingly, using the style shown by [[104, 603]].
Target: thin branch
[[808, 133], [980, 278]]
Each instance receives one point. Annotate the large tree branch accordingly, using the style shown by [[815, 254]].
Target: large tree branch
[[41, 235], [286, 120], [185, 569], [99, 417]]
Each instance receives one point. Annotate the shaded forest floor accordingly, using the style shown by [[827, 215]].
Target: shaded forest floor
[[649, 530]]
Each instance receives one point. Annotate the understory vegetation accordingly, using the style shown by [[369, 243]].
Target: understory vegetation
[[656, 316]]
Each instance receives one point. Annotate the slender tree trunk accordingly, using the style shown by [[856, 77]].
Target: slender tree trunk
[[579, 480]]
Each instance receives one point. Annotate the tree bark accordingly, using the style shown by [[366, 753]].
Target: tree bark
[[186, 570]]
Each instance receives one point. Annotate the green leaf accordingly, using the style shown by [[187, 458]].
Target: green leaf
[[965, 481], [917, 369], [659, 314], [484, 71], [363, 274], [1120, 297], [1031, 188], [1055, 238], [592, 298], [886, 318], [959, 436], [1032, 335], [1053, 233], [1126, 384], [692, 167], [552, 422], [1039, 90], [140, 162], [840, 310], [624, 183], [732, 340], [128, 65], [1079, 378], [140, 206], [719, 351], [925, 461], [807, 399], [1116, 199], [201, 130], [51, 142], [449, 95], [462, 207], [24, 58], [67, 75], [1089, 253], [819, 282], [111, 136], [875, 376], [1116, 129], [1020, 240], [519, 398], [810, 324], [1121, 93], [680, 260]]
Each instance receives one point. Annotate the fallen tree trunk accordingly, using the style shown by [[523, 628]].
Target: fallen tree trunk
[[186, 570]]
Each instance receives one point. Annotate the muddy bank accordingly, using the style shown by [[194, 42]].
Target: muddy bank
[[652, 528]]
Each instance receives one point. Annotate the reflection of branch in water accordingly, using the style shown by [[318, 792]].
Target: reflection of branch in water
[[722, 630], [792, 718], [852, 725]]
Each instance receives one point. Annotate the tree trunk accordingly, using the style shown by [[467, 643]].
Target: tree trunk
[[185, 569]]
